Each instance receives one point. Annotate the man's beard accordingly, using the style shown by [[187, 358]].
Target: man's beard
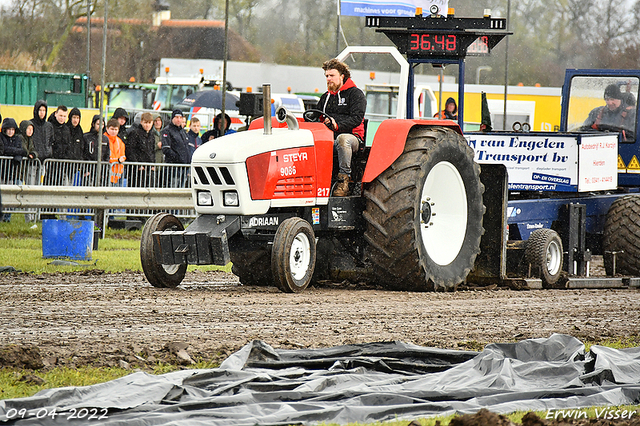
[[332, 87]]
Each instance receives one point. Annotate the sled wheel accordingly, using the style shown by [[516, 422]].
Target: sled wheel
[[622, 236], [424, 213], [544, 254], [251, 261], [159, 275], [293, 256]]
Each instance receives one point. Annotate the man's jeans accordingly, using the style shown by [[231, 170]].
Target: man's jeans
[[346, 145]]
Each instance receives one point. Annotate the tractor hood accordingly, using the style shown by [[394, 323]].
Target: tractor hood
[[237, 147]]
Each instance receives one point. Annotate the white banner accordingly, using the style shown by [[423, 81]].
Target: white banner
[[549, 162], [390, 8]]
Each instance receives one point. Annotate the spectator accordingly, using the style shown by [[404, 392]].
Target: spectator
[[116, 152], [76, 133], [11, 141], [158, 125], [136, 120], [42, 131], [61, 133], [26, 133], [11, 146], [90, 151], [140, 149], [30, 173], [175, 148], [193, 135], [216, 132], [122, 116]]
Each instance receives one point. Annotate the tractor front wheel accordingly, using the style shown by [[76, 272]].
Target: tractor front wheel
[[293, 256], [160, 275]]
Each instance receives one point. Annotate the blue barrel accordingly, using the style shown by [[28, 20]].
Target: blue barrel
[[67, 239]]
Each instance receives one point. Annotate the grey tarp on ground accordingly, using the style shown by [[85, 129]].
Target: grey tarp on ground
[[364, 383]]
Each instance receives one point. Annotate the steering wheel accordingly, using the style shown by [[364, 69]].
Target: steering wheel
[[314, 116]]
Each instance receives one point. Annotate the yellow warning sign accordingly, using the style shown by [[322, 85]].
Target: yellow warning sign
[[634, 165], [621, 165]]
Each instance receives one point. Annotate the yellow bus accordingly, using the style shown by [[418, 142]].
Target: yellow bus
[[537, 106]]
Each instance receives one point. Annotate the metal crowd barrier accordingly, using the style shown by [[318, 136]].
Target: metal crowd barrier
[[55, 173]]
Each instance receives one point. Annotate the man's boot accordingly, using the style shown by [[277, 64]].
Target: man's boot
[[342, 187]]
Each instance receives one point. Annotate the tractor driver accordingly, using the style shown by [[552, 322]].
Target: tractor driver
[[345, 106], [619, 114]]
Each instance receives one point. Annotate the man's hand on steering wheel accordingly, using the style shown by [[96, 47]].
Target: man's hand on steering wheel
[[317, 116]]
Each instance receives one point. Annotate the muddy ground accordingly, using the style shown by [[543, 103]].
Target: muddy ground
[[107, 319], [99, 319]]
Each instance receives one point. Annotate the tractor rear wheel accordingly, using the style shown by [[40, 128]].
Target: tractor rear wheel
[[424, 213], [160, 275], [622, 236], [544, 253], [251, 261], [293, 257]]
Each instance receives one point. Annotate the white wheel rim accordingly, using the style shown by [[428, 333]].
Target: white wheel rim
[[443, 213], [171, 269], [554, 258], [300, 256]]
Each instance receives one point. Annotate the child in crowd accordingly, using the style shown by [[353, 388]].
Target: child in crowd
[[116, 152]]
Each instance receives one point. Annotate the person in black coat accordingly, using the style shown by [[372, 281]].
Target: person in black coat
[[61, 134], [11, 142], [140, 149], [90, 151], [11, 146], [77, 135], [175, 147], [122, 116], [345, 105], [42, 131]]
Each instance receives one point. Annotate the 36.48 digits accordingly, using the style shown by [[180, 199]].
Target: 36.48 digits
[[71, 414], [437, 43]]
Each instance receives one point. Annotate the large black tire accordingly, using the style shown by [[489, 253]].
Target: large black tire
[[424, 213], [622, 235], [544, 253], [251, 261], [293, 257], [159, 275]]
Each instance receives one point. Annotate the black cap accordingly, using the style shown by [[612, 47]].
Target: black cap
[[612, 91], [176, 112]]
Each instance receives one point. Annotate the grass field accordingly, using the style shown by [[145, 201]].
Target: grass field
[[21, 248]]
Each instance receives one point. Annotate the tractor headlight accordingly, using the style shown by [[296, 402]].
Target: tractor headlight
[[205, 198], [231, 199]]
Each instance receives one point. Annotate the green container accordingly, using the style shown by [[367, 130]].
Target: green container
[[26, 87]]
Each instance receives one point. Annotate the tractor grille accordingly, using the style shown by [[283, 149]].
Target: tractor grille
[[218, 176]]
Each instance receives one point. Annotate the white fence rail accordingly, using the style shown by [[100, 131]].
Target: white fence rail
[[72, 187]]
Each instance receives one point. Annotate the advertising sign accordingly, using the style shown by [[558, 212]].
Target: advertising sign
[[598, 170], [390, 8], [551, 162]]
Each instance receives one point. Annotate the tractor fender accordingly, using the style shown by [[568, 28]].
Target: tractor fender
[[388, 143]]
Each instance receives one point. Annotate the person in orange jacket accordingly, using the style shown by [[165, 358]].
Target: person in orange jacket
[[116, 152]]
